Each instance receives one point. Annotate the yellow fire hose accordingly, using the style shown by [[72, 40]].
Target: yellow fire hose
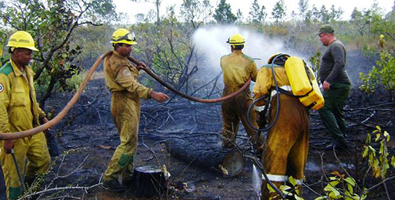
[[70, 104]]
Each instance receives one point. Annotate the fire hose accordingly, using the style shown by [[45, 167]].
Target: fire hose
[[149, 72], [70, 104]]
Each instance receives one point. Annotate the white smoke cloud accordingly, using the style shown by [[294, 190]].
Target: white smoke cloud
[[211, 45]]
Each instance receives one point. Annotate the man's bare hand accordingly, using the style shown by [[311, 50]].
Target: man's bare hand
[[326, 85], [159, 96], [8, 145], [141, 66]]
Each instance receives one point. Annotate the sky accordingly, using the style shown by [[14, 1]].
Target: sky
[[133, 8]]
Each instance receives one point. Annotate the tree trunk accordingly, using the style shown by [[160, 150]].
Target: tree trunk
[[202, 153]]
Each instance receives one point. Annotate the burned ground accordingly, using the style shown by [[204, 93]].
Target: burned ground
[[89, 137]]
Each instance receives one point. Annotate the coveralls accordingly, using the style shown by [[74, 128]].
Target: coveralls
[[121, 80], [19, 111], [288, 139], [333, 70], [237, 69]]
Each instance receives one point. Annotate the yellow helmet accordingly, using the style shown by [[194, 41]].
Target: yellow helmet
[[236, 40], [381, 36], [123, 36], [21, 39], [281, 56]]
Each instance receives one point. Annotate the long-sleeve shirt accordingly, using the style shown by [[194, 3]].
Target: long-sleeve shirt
[[121, 76], [333, 64], [237, 68], [19, 110]]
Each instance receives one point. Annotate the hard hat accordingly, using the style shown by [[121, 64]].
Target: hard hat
[[381, 36], [236, 40], [21, 39], [281, 57], [123, 36]]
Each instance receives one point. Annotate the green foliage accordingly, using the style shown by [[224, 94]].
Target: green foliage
[[378, 158], [291, 190], [223, 13], [51, 24], [167, 50], [257, 13], [383, 73], [341, 187], [315, 60], [279, 11]]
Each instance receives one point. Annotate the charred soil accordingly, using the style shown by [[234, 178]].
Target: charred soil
[[88, 139]]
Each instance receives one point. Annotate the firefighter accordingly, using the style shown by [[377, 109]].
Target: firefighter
[[237, 69], [381, 42], [288, 139], [126, 92], [19, 111]]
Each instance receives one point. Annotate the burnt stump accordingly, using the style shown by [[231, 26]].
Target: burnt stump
[[148, 181]]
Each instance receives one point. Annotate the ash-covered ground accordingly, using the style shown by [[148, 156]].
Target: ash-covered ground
[[89, 138]]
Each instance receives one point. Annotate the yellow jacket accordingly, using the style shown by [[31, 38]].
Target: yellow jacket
[[237, 68], [19, 110], [265, 82], [121, 76]]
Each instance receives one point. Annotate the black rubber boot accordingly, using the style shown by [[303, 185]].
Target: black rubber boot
[[113, 185]]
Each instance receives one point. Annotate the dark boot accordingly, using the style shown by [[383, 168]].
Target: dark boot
[[113, 185], [127, 183]]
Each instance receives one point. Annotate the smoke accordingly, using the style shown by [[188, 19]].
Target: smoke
[[211, 45]]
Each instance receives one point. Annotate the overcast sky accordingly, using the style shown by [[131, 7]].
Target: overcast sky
[[132, 8]]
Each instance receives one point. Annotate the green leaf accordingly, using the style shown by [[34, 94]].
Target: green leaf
[[393, 161], [292, 181], [350, 181], [350, 189], [381, 148], [284, 188], [377, 137], [270, 188], [387, 136], [365, 152], [298, 197], [368, 139], [372, 149]]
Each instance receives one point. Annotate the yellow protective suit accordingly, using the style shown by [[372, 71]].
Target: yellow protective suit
[[121, 80], [288, 139], [19, 111], [237, 69]]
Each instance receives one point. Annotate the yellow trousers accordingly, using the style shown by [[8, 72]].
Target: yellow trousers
[[287, 143], [235, 110], [126, 114], [33, 148]]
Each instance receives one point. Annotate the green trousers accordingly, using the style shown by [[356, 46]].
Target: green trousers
[[332, 113]]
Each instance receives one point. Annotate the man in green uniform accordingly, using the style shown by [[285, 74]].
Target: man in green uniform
[[336, 85], [121, 80], [288, 139], [237, 69], [19, 111]]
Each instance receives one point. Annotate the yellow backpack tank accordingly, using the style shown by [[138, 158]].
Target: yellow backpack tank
[[303, 83]]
